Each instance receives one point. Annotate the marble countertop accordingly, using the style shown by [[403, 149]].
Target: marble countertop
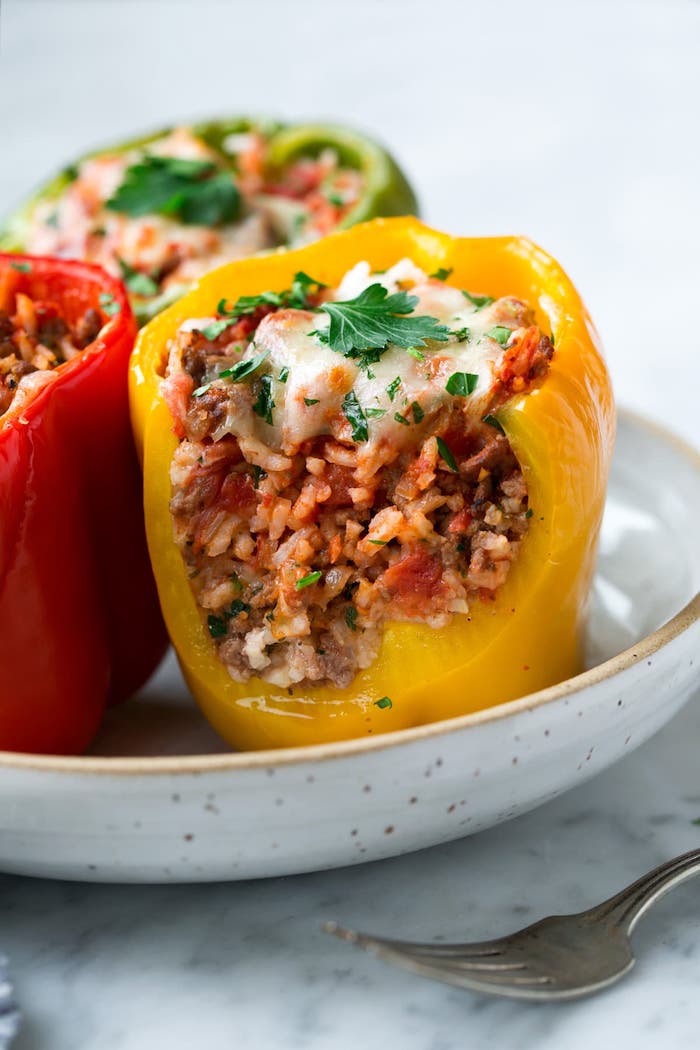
[[577, 125]]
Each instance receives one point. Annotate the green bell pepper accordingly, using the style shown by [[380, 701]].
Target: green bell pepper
[[381, 189]]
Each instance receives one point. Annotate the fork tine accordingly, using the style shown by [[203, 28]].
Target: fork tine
[[511, 979], [458, 957], [474, 950]]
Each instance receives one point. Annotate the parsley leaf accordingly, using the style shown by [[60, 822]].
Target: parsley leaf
[[351, 617], [461, 384], [446, 454], [213, 331], [371, 321], [296, 297], [306, 581], [418, 412], [461, 334], [244, 368], [441, 274], [355, 417], [311, 401], [137, 282], [375, 413], [493, 422], [218, 625], [284, 375], [393, 387], [303, 286], [192, 191], [383, 703], [479, 301], [21, 267], [109, 304], [401, 419], [265, 403], [500, 333]]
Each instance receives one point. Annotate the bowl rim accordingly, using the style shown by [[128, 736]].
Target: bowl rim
[[170, 765]]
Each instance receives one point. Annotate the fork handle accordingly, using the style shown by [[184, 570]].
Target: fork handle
[[626, 908]]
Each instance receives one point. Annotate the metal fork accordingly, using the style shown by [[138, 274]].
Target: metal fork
[[560, 957]]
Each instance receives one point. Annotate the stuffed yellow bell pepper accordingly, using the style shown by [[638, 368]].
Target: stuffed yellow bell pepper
[[374, 474]]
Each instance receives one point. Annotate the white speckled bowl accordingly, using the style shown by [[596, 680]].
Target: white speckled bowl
[[137, 810]]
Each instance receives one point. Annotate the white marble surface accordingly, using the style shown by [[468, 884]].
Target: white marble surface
[[576, 124]]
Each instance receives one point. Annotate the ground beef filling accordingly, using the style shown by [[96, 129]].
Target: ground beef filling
[[34, 339], [298, 561]]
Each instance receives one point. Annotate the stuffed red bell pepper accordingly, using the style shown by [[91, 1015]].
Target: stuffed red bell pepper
[[79, 619]]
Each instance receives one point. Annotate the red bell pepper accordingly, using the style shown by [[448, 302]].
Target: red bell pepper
[[80, 624]]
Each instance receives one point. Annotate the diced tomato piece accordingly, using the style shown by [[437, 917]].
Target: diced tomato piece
[[341, 480], [238, 495], [525, 359], [461, 521], [414, 581]]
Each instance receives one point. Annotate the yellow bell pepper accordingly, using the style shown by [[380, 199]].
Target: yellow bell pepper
[[562, 434]]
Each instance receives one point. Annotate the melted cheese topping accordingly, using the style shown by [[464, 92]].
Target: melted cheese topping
[[308, 399]]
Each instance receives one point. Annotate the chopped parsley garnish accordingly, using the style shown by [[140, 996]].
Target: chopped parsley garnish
[[137, 282], [284, 375], [441, 274], [218, 625], [401, 419], [446, 454], [264, 405], [383, 703], [311, 401], [296, 297], [461, 384], [500, 333], [418, 412], [258, 475], [493, 422], [461, 334], [22, 267], [335, 199], [529, 512], [373, 320], [378, 543], [303, 286], [393, 387], [375, 413], [479, 301], [414, 352], [109, 304], [193, 191], [213, 331], [355, 416], [351, 617], [237, 373], [306, 581]]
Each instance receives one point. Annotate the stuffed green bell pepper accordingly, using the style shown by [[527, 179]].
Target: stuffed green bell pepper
[[162, 210]]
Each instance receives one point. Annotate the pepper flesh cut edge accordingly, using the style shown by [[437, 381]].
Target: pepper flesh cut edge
[[562, 433]]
